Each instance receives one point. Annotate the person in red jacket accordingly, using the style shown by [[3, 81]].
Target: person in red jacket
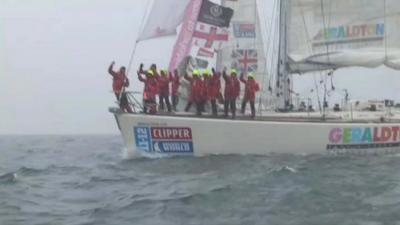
[[251, 87], [214, 86], [175, 86], [163, 89], [150, 90], [232, 91], [120, 81], [196, 92]]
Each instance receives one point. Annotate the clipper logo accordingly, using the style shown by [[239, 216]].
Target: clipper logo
[[216, 11], [167, 140]]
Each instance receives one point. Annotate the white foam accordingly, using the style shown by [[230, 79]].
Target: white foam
[[130, 154]]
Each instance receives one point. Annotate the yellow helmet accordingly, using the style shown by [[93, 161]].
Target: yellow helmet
[[206, 73], [150, 72], [164, 72], [250, 75], [196, 73], [233, 71]]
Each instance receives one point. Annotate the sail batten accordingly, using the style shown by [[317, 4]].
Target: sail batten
[[342, 33]]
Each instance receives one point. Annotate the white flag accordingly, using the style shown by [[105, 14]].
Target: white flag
[[163, 19], [209, 36]]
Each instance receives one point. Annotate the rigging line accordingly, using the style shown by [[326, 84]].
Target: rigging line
[[385, 21], [266, 48], [266, 51], [316, 87], [328, 57], [275, 48], [275, 51], [132, 55]]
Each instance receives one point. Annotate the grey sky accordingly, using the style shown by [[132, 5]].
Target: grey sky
[[54, 55]]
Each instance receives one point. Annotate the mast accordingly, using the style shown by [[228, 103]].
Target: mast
[[283, 75]]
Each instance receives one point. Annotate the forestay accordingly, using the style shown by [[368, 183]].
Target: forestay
[[331, 34]]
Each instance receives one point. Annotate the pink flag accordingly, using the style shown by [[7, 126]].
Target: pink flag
[[184, 41]]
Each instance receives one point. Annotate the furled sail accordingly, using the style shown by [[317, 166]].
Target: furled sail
[[331, 34]]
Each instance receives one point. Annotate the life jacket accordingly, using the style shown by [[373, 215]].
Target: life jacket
[[251, 87], [163, 86]]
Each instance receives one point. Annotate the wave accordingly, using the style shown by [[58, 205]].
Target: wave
[[112, 179], [285, 169], [29, 171], [8, 178]]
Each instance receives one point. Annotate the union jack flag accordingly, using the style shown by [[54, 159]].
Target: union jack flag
[[245, 60]]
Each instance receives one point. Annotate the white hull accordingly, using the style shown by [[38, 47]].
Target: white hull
[[172, 135]]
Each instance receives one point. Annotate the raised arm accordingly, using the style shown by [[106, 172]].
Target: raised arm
[[126, 83], [215, 73], [242, 78], [224, 74], [110, 69]]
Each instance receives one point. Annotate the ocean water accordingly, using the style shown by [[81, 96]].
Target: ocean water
[[82, 180]]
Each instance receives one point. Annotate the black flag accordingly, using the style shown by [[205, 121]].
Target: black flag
[[213, 14]]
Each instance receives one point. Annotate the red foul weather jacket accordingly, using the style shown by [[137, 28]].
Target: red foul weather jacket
[[150, 86], [232, 86], [119, 80], [251, 87], [214, 86], [163, 85], [196, 88]]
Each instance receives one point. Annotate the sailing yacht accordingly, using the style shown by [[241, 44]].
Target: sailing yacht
[[304, 37]]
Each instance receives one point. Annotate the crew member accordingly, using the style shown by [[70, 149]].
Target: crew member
[[232, 91], [175, 86], [120, 81], [214, 86], [196, 91], [251, 87], [163, 89], [150, 90]]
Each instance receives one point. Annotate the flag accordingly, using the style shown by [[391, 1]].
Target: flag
[[210, 36], [161, 21], [183, 43], [213, 14], [201, 63], [244, 30], [203, 52], [245, 60]]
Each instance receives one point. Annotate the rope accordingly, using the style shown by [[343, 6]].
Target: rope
[[385, 21], [266, 52], [132, 55]]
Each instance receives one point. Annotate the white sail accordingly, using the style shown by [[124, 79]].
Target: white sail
[[330, 34], [164, 18]]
